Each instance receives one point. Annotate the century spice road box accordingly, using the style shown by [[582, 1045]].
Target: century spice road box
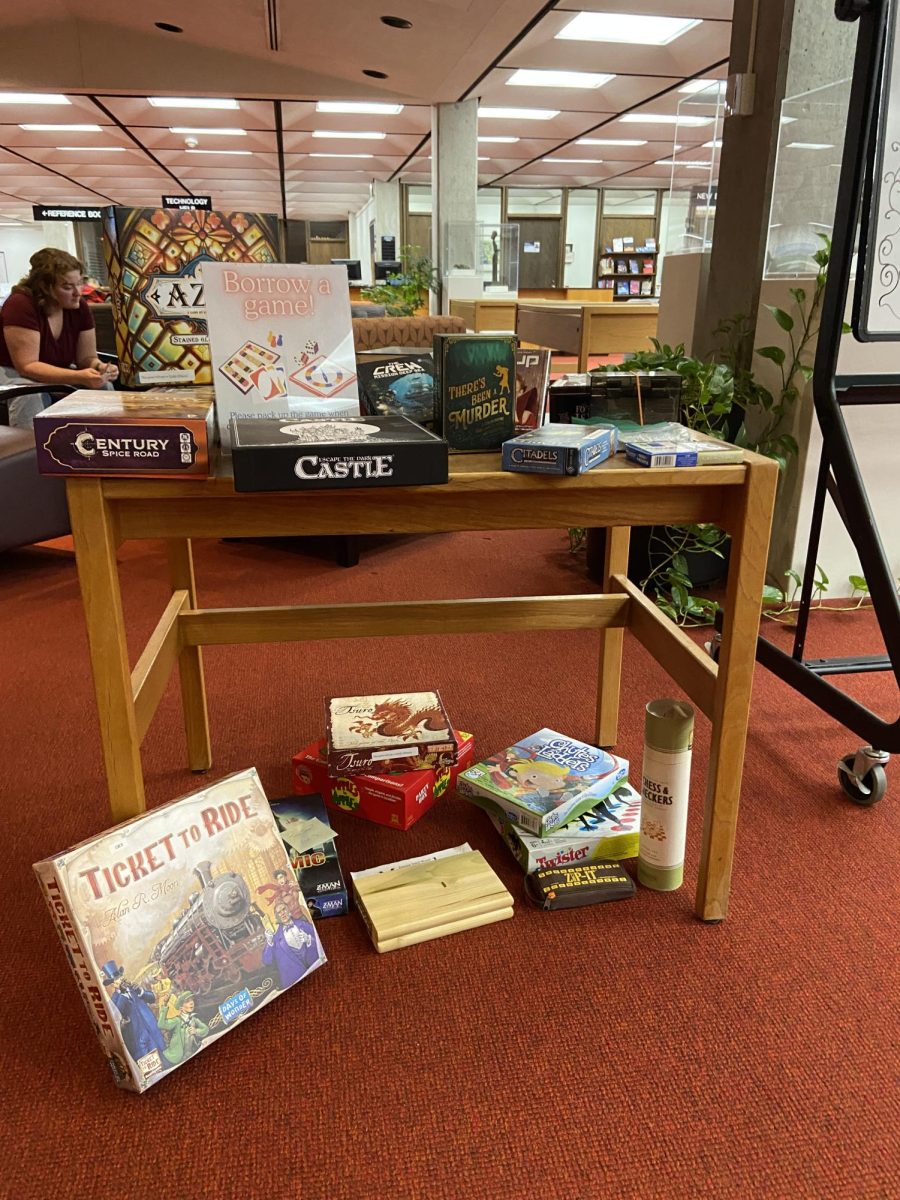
[[164, 435]]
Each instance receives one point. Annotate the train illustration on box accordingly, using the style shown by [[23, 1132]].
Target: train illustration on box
[[216, 944]]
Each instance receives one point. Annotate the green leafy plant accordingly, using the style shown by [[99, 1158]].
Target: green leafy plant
[[407, 290]]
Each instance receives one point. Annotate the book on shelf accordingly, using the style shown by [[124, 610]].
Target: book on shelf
[[618, 245], [544, 780], [621, 267], [633, 268], [634, 287], [607, 266], [646, 287], [647, 266], [622, 288]]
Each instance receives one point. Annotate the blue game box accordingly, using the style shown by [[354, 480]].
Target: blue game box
[[560, 449], [309, 840]]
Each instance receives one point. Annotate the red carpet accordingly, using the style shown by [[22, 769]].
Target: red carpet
[[624, 1050]]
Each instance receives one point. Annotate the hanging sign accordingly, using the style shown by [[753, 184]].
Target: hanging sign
[[188, 203], [55, 212]]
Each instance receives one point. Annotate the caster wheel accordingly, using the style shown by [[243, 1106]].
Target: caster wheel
[[866, 791]]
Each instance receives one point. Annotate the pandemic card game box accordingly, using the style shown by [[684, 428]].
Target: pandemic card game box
[[335, 452], [179, 924], [402, 731], [160, 434], [474, 381], [544, 781], [403, 385]]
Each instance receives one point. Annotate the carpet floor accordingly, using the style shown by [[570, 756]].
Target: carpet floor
[[625, 1050]]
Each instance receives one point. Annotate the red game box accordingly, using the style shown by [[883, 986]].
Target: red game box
[[395, 800]]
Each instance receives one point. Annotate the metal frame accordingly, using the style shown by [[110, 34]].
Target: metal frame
[[839, 473]]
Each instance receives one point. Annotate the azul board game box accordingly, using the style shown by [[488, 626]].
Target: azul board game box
[[155, 258], [532, 376], [402, 731], [544, 781], [608, 831], [309, 840], [338, 452], [473, 379], [403, 385], [559, 449], [160, 434], [165, 930], [281, 342], [394, 800]]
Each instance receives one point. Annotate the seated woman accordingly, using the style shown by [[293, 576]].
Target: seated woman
[[47, 334]]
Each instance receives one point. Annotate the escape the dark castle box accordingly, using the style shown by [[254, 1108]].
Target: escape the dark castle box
[[335, 452]]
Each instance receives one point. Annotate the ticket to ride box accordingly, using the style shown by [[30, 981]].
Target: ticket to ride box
[[164, 435], [394, 800]]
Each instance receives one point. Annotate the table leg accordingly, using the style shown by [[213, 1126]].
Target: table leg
[[584, 345], [95, 555], [731, 709], [190, 664], [611, 640]]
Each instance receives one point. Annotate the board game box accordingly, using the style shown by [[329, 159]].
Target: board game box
[[337, 452], [165, 435], [167, 930], [532, 376], [403, 385], [309, 840], [379, 735], [474, 375], [545, 780], [608, 831], [559, 449], [394, 800], [671, 444]]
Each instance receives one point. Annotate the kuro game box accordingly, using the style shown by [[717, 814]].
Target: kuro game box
[[335, 452], [165, 435], [474, 378], [394, 800], [309, 840], [545, 780], [179, 924], [381, 735], [403, 385]]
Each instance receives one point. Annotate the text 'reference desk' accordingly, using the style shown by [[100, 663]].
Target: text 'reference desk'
[[479, 496]]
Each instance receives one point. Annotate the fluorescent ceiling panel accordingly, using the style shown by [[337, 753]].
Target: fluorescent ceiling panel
[[632, 28], [663, 119], [611, 142], [33, 98], [218, 152], [572, 160], [557, 79], [506, 140], [62, 128], [702, 85], [810, 146], [96, 149], [204, 131], [318, 155], [370, 135], [191, 102], [354, 106], [519, 114]]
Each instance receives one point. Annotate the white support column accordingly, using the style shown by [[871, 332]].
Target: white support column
[[387, 213], [454, 185]]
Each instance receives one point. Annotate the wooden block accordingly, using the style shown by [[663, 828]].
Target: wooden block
[[428, 899]]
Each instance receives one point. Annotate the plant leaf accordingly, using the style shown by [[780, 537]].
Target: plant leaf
[[858, 583], [785, 320], [772, 596], [774, 353]]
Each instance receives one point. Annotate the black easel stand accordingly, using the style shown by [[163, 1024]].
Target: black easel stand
[[861, 774]]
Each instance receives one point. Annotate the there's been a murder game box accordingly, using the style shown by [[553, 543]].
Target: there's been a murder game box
[[165, 435], [474, 380], [335, 452], [179, 924], [379, 735], [394, 800]]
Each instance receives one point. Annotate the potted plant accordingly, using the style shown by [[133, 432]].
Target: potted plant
[[405, 292]]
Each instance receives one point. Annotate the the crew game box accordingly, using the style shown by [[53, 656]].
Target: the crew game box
[[404, 385], [160, 434], [335, 452], [379, 735], [394, 800]]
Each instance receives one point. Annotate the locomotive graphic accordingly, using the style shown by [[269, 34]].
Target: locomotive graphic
[[216, 944]]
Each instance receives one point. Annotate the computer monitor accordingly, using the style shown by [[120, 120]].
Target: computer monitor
[[353, 265], [385, 267]]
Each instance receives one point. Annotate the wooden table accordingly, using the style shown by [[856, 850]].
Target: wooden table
[[586, 329], [739, 498], [481, 315]]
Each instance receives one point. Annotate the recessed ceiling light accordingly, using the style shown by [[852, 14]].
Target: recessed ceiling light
[[611, 142], [677, 162], [191, 102], [701, 85], [376, 74], [33, 98], [562, 79], [397, 22], [626, 27], [349, 133], [663, 119], [168, 27], [194, 129], [506, 140], [96, 149], [810, 146], [358, 106], [62, 128], [519, 114], [218, 152], [315, 155], [572, 160]]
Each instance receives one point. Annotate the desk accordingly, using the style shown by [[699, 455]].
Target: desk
[[481, 315], [586, 329], [479, 496]]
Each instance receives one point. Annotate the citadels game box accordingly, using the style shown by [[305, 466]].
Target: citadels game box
[[335, 452], [394, 800]]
